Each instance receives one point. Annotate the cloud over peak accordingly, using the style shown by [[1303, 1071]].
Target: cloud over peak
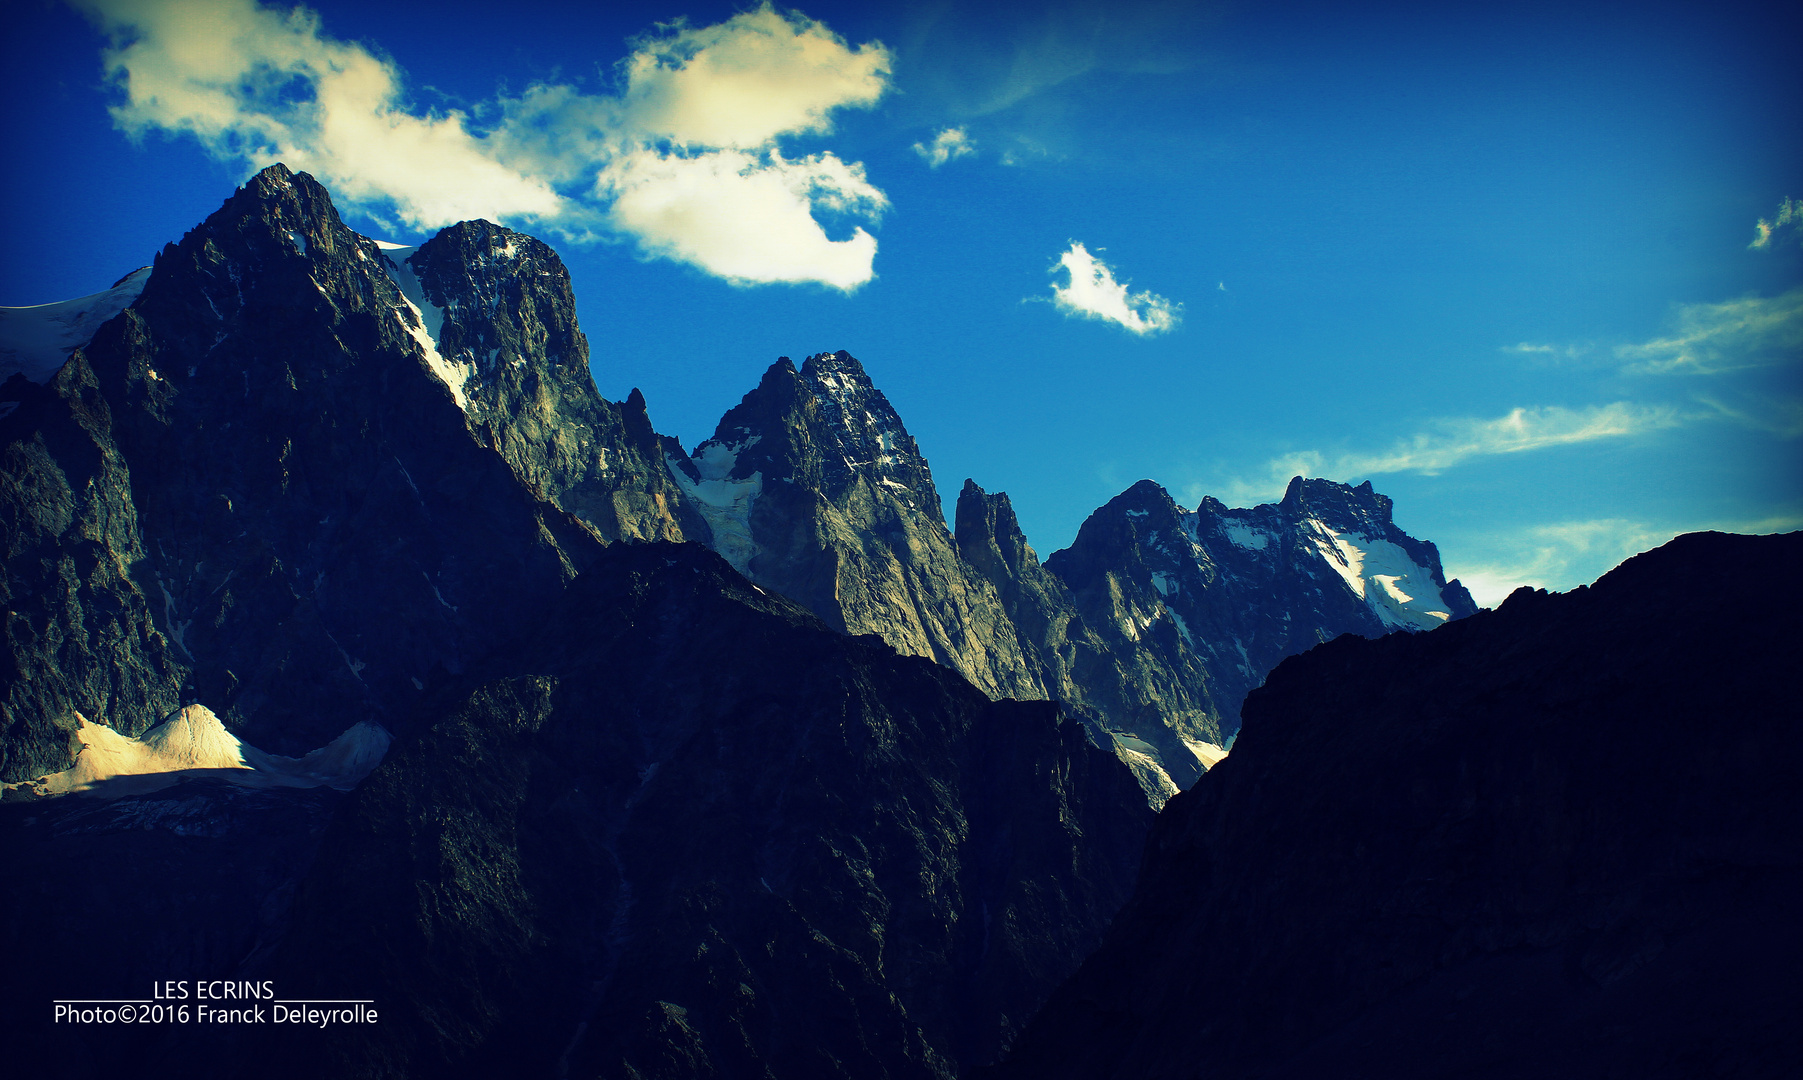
[[684, 159], [1093, 293]]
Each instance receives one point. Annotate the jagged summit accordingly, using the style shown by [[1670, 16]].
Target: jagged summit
[[825, 427], [1243, 588]]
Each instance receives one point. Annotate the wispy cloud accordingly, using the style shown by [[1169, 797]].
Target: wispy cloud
[[1788, 218], [1547, 352], [949, 145], [1093, 293], [689, 143], [1778, 416], [1451, 441], [1709, 338]]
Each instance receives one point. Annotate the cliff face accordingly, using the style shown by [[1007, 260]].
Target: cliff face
[[1559, 838], [1224, 595], [506, 315], [1142, 689], [814, 488]]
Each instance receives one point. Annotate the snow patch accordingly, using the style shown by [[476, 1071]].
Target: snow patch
[[427, 324], [715, 459], [1207, 753], [299, 242], [193, 743], [1248, 538], [1182, 627], [1142, 758], [724, 503], [37, 340], [1399, 591]]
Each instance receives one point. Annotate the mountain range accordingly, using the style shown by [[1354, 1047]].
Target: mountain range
[[356, 644], [262, 453]]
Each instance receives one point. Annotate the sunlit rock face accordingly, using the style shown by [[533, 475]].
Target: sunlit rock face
[[1561, 838], [503, 310], [816, 490]]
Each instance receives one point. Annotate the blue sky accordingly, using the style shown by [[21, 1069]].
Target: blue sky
[[1534, 272]]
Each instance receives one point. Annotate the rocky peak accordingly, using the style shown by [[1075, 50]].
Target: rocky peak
[[506, 301], [1342, 507], [826, 428], [276, 258], [1142, 528], [989, 536]]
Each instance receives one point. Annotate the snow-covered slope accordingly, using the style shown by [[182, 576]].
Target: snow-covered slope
[[36, 340], [194, 743]]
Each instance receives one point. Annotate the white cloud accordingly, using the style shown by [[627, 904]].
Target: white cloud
[[744, 82], [1788, 217], [1094, 294], [699, 117], [1750, 332], [259, 85], [745, 217], [949, 145]]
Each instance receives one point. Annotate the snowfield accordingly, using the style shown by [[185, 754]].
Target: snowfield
[[35, 341], [193, 743]]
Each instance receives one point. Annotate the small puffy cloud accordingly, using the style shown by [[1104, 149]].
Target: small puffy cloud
[[949, 145], [1788, 218], [1093, 293], [684, 159], [1710, 338], [745, 217], [259, 85]]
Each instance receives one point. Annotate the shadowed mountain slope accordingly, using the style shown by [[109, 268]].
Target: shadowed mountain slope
[[1563, 838]]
